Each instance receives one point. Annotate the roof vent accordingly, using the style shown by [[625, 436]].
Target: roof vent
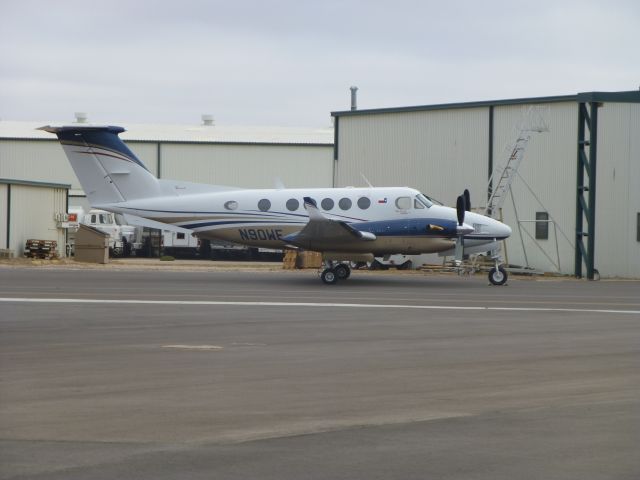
[[354, 97], [81, 117], [207, 120]]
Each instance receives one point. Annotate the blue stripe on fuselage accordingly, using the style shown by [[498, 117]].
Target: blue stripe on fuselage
[[408, 227]]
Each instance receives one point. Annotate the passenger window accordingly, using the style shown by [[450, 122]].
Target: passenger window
[[344, 203], [93, 218], [264, 205], [403, 203], [364, 203], [313, 202], [180, 236], [293, 204], [327, 204], [231, 205], [417, 204]]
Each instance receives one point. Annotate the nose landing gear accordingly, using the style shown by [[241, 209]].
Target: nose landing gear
[[498, 276]]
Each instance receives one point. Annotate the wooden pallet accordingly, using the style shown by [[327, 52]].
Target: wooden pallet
[[42, 249]]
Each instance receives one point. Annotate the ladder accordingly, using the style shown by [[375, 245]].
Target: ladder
[[532, 122]]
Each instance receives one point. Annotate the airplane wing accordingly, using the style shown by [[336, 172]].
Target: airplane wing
[[322, 233]]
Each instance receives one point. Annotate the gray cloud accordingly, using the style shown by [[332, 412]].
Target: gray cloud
[[291, 62]]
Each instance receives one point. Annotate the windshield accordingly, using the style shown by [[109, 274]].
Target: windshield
[[430, 200], [422, 199]]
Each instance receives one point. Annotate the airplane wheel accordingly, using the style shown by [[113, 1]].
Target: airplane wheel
[[329, 276], [342, 271], [498, 276]]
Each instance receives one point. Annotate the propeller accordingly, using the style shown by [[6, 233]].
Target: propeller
[[463, 205]]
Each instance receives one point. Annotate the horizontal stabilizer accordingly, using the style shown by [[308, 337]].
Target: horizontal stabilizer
[[145, 222]]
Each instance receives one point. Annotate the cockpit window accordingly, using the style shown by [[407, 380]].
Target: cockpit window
[[429, 201], [403, 203], [423, 201]]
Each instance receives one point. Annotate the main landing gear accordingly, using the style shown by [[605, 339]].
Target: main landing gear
[[331, 272]]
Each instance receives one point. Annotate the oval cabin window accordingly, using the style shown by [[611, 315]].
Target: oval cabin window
[[364, 203], [231, 205], [264, 205], [327, 204], [344, 203], [293, 204]]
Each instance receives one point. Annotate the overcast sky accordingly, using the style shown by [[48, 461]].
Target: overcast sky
[[291, 62]]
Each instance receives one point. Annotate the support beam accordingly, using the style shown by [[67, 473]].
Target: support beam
[[586, 209]]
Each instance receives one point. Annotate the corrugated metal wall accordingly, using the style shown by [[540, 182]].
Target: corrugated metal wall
[[39, 222], [3, 215], [439, 152], [37, 161], [442, 152], [618, 190], [250, 166], [549, 169]]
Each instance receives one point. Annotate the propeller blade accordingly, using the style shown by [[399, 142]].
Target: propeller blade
[[467, 200], [460, 209]]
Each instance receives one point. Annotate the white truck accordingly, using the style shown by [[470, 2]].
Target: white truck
[[123, 238]]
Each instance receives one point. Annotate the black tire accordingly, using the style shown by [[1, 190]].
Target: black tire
[[329, 276], [498, 276], [342, 271]]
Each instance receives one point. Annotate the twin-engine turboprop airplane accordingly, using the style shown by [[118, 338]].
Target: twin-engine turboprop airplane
[[344, 224]]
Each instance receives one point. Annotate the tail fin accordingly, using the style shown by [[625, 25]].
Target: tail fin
[[108, 171]]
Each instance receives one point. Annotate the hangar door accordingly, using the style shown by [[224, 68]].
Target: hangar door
[[29, 211]]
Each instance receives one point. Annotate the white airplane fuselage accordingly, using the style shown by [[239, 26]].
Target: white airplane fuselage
[[402, 220]]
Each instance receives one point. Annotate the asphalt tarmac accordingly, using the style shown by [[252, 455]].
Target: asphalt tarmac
[[154, 374]]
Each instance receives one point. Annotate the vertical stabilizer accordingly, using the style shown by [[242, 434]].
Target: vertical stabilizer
[[107, 170]]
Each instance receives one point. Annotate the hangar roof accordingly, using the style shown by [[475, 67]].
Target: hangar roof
[[632, 96], [189, 134]]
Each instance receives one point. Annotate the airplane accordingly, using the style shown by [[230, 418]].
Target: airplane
[[345, 224]]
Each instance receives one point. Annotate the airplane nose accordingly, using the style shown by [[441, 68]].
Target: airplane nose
[[502, 230]]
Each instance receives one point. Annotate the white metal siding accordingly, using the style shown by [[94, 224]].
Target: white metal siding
[[32, 216], [440, 152], [549, 168], [249, 166], [618, 190], [3, 215], [45, 161], [36, 160]]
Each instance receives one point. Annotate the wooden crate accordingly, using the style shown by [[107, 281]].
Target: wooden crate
[[308, 259]]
